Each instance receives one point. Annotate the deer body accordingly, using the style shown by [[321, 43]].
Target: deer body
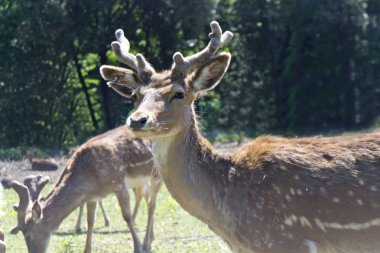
[[102, 166], [274, 195], [278, 195], [43, 164]]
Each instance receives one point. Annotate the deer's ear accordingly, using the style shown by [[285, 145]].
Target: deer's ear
[[37, 213], [123, 81], [209, 75]]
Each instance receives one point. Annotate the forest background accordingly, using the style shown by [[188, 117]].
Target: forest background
[[299, 67]]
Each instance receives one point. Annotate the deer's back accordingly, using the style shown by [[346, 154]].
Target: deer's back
[[113, 156], [297, 194]]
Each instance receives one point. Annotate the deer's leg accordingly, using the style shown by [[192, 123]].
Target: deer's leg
[[138, 196], [3, 247], [79, 220], [106, 219], [124, 201], [91, 207], [155, 185]]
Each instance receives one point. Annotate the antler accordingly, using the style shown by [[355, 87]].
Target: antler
[[35, 184], [182, 64], [138, 63], [21, 209], [27, 192]]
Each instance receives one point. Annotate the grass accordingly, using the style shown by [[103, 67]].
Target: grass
[[175, 230]]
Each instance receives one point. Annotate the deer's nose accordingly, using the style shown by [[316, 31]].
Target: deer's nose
[[137, 123]]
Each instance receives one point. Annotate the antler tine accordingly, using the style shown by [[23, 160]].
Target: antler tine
[[121, 49], [217, 39], [35, 184], [21, 209], [138, 63]]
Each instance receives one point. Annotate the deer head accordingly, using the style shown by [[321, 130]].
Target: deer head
[[29, 211], [164, 100]]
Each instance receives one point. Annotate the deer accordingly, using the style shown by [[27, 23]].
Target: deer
[[109, 163], [36, 183], [43, 164], [140, 192], [272, 195]]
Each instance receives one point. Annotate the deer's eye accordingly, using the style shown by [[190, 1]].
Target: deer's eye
[[179, 95]]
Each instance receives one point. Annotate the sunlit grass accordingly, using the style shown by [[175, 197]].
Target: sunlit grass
[[175, 230]]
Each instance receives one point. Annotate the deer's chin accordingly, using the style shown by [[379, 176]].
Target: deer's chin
[[143, 134], [147, 133], [152, 133]]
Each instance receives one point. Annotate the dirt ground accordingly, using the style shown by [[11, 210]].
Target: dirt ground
[[20, 169]]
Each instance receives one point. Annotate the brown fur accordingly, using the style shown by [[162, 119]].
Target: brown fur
[[275, 195], [323, 152], [161, 79], [43, 164]]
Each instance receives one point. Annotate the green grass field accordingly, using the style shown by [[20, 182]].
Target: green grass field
[[175, 230]]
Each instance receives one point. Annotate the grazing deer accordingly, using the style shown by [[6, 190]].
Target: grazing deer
[[108, 163], [274, 195]]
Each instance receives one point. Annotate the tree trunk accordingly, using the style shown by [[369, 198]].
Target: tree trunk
[[349, 100], [105, 94], [85, 91], [147, 40], [279, 83], [300, 89]]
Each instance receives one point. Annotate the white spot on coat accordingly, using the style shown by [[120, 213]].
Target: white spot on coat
[[312, 246], [290, 220]]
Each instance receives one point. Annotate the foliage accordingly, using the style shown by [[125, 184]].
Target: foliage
[[302, 65], [298, 66], [230, 137], [12, 153], [21, 152]]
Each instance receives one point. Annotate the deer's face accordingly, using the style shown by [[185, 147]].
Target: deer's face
[[164, 100], [30, 213], [36, 237], [164, 103], [161, 108]]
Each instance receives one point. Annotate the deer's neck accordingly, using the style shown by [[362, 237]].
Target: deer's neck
[[193, 172], [61, 201]]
